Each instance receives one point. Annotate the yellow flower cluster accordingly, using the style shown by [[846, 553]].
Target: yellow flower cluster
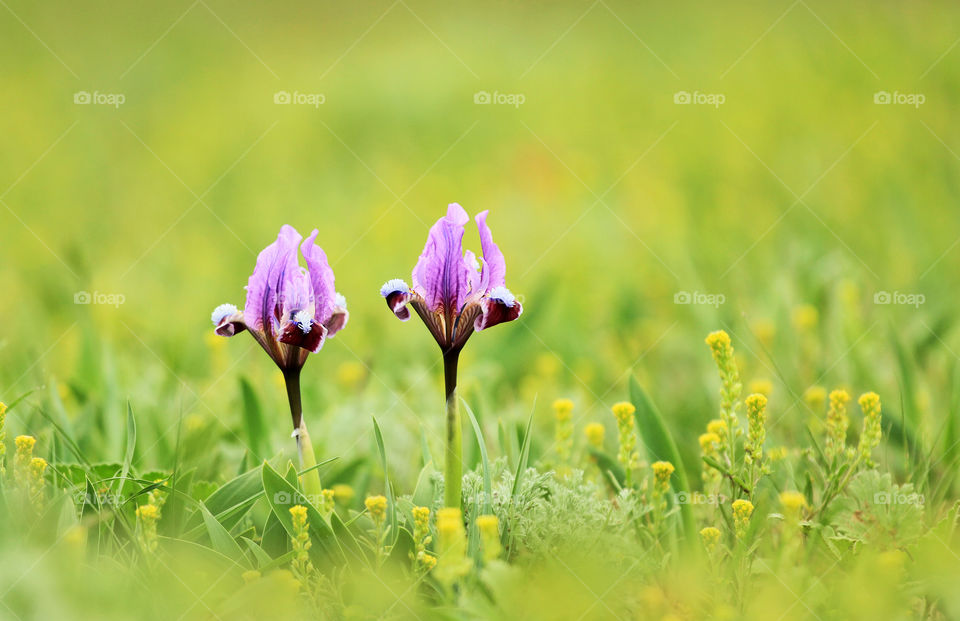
[[489, 528], [563, 434], [421, 539], [452, 561], [710, 444], [327, 502], [28, 471], [815, 397], [301, 566], [343, 493], [662, 470], [742, 510], [805, 317], [870, 436], [595, 433], [377, 507], [710, 536], [147, 518], [837, 422], [793, 503], [628, 456], [756, 427], [722, 350]]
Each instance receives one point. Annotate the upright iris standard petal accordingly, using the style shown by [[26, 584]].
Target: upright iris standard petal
[[265, 289], [321, 277], [442, 275], [495, 266]]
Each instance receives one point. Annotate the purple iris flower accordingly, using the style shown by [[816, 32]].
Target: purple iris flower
[[454, 293], [290, 310]]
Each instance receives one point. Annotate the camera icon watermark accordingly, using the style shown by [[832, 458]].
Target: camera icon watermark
[[885, 98], [699, 498], [685, 98], [899, 498], [285, 498], [86, 98], [899, 298], [699, 298], [484, 98], [109, 299], [284, 98]]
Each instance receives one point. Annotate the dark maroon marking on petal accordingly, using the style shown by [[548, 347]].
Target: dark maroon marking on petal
[[231, 324], [397, 301], [337, 321], [494, 311], [311, 341]]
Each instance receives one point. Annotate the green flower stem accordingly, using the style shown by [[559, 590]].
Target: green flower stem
[[308, 459], [453, 472]]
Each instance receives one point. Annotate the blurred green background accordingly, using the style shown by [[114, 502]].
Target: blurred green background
[[607, 198]]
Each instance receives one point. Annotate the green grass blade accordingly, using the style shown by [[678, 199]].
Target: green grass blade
[[524, 453], [130, 444], [388, 488], [484, 461], [660, 445]]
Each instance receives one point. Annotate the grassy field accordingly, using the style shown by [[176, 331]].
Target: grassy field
[[654, 174]]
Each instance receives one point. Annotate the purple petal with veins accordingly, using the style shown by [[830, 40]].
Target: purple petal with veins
[[495, 267], [442, 275]]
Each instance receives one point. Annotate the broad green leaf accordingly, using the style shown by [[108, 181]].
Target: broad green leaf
[[281, 495], [257, 432], [220, 537]]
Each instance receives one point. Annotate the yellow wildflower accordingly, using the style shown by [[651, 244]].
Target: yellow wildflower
[[489, 528], [710, 536], [377, 507], [870, 436], [627, 437], [595, 433], [756, 430], [837, 423], [805, 317], [563, 432], [742, 510]]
